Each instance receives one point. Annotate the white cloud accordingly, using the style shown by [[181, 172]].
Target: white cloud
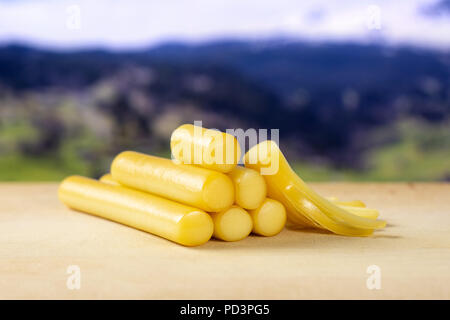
[[136, 23]]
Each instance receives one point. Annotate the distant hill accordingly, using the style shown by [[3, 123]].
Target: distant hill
[[326, 98]]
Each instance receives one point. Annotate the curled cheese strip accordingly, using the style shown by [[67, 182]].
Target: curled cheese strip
[[294, 217], [291, 190], [308, 208], [351, 203], [362, 212], [168, 219], [198, 187]]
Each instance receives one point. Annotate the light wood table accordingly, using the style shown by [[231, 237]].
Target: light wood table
[[40, 239]]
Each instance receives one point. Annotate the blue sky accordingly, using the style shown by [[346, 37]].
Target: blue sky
[[139, 23]]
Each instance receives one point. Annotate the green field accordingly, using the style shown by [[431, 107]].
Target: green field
[[420, 152]]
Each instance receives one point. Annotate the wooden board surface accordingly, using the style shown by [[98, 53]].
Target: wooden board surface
[[40, 239]]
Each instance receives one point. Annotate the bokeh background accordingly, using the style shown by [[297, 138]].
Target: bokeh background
[[360, 90]]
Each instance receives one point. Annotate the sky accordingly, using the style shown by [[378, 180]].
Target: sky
[[123, 24]]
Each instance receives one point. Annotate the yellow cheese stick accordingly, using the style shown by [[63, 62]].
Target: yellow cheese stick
[[207, 148], [168, 219], [232, 224], [269, 218], [198, 187], [107, 178], [249, 186]]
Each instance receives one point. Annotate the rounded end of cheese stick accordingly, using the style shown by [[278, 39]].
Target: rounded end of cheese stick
[[107, 178], [233, 224], [250, 187], [195, 228], [218, 192], [269, 219], [211, 149]]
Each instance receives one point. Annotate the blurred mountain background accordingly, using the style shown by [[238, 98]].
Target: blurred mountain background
[[346, 110]]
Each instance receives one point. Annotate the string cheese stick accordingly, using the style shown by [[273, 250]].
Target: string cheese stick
[[250, 187], [198, 187], [168, 219], [107, 178], [269, 218], [232, 224], [207, 148]]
